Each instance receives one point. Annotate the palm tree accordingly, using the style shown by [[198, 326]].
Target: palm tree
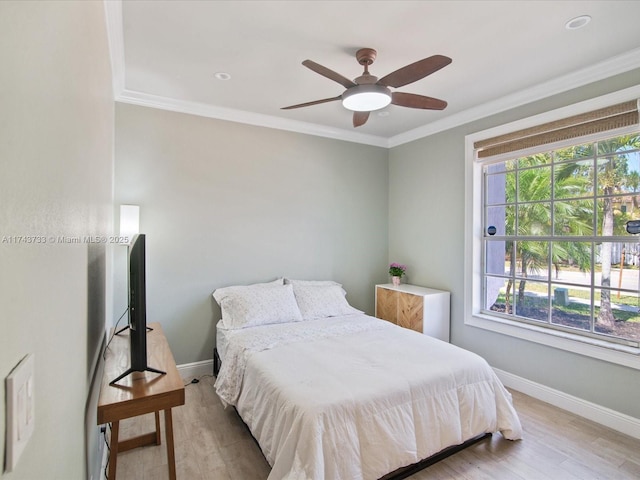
[[534, 218], [573, 179], [633, 182], [612, 176], [574, 183]]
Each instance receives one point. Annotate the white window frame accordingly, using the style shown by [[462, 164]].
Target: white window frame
[[591, 347]]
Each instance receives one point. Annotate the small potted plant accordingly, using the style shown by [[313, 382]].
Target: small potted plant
[[396, 271]]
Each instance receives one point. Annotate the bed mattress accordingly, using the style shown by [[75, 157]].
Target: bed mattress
[[355, 397]]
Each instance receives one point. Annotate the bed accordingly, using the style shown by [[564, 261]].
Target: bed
[[330, 393]]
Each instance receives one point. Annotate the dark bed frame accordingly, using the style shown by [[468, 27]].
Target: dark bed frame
[[409, 470], [216, 362], [400, 473]]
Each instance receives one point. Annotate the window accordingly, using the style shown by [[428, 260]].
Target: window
[[547, 205], [560, 256]]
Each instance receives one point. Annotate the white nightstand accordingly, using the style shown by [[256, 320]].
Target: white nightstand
[[425, 310]]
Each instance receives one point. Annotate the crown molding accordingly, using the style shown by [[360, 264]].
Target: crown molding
[[249, 118], [113, 9], [600, 71], [115, 36]]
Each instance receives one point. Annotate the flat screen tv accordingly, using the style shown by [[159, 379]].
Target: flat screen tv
[[137, 308]]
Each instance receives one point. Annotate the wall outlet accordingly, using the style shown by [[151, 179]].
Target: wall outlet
[[20, 410]]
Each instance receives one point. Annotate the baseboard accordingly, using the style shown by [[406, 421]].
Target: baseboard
[[605, 416], [196, 369]]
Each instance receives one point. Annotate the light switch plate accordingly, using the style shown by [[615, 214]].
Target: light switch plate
[[20, 410]]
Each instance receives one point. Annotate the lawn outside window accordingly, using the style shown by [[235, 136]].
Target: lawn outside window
[[548, 257]]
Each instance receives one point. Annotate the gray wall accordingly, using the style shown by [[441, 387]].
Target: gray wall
[[56, 168], [224, 203], [426, 225]]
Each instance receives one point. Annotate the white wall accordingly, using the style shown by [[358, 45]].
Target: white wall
[[426, 204], [223, 203], [56, 148]]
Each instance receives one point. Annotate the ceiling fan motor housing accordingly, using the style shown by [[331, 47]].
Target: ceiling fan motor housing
[[366, 56]]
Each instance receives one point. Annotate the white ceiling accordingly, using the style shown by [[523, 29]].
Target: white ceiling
[[505, 53]]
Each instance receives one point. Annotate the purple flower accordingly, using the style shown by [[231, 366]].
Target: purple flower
[[397, 269]]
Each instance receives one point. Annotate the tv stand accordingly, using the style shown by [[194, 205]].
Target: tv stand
[[131, 370], [149, 329]]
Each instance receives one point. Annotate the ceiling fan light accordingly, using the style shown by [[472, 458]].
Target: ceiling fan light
[[366, 98]]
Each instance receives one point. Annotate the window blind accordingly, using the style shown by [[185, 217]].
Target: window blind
[[597, 121]]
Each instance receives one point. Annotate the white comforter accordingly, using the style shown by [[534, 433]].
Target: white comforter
[[355, 397]]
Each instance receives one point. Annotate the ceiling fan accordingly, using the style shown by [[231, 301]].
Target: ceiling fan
[[367, 93]]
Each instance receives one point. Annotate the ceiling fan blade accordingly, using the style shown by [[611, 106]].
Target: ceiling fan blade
[[330, 74], [415, 71], [315, 102], [412, 100], [360, 118]]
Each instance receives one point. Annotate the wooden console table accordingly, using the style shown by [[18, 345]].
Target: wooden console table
[[140, 393]]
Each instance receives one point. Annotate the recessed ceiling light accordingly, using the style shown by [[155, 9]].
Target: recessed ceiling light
[[577, 22], [222, 76], [383, 113]]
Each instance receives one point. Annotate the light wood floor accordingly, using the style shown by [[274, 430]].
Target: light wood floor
[[213, 444]]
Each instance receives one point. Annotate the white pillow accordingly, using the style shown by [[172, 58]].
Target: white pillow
[[255, 305], [316, 283], [221, 292], [321, 301]]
